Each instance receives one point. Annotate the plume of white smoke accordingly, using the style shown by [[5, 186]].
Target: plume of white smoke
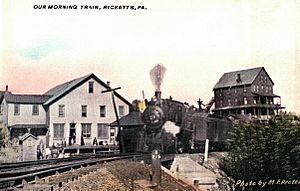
[[170, 127], [157, 75]]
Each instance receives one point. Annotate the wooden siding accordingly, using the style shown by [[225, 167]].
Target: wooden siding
[[73, 102], [237, 94]]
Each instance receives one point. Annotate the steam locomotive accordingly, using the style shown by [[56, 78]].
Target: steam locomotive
[[196, 125]]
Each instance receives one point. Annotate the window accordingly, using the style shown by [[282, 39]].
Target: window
[[221, 103], [122, 111], [61, 111], [103, 130], [262, 88], [229, 89], [29, 142], [91, 87], [245, 88], [83, 111], [86, 129], [102, 111], [35, 110], [221, 92], [235, 90], [245, 101], [229, 101], [17, 109], [254, 101], [58, 130], [270, 89], [267, 89]]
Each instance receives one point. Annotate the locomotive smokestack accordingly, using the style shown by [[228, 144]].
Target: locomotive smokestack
[[153, 115], [157, 94]]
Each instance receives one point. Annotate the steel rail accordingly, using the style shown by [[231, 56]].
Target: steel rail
[[17, 165], [30, 169], [5, 166], [26, 176]]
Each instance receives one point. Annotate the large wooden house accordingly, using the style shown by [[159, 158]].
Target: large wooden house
[[73, 114], [246, 92], [79, 113]]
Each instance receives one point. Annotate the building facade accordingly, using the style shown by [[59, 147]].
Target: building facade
[[79, 113], [72, 113], [246, 92], [22, 114]]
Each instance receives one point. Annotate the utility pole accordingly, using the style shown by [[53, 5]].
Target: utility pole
[[120, 131]]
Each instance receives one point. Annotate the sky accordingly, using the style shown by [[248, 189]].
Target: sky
[[197, 41]]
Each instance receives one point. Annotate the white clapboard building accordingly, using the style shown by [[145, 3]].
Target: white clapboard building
[[75, 113]]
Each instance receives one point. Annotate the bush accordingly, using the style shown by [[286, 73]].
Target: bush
[[2, 137], [7, 152], [265, 153]]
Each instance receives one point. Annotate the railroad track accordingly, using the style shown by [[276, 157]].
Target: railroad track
[[16, 175]]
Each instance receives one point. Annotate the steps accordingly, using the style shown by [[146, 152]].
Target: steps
[[184, 166]]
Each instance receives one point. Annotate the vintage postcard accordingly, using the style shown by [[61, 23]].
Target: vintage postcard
[[149, 95]]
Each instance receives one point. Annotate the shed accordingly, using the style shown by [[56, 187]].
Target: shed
[[133, 131], [28, 147]]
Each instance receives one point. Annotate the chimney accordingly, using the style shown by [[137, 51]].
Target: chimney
[[6, 88], [108, 83], [238, 79], [157, 94]]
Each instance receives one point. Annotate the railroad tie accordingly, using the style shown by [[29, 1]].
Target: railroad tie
[[71, 177]]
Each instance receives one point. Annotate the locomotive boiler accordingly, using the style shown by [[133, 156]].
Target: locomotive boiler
[[154, 119], [153, 116]]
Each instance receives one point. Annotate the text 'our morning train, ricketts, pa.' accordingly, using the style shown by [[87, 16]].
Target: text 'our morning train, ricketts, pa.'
[[90, 7]]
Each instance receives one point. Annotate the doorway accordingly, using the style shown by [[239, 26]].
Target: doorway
[[112, 135], [72, 137]]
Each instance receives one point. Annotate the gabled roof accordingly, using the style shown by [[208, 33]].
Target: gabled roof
[[247, 77], [25, 98], [65, 86], [61, 90], [132, 119], [26, 135]]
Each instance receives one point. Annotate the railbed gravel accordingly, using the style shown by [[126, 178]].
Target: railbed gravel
[[121, 176]]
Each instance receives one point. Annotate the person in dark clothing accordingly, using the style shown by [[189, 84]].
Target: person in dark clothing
[[95, 141]]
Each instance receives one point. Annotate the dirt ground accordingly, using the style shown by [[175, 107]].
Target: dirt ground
[[123, 176]]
